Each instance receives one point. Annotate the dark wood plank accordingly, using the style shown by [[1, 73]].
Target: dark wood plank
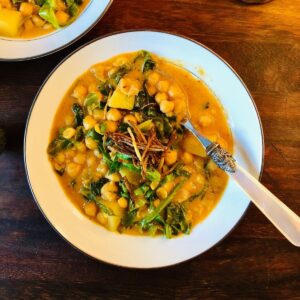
[[262, 42]]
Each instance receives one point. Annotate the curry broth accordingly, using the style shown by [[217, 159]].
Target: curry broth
[[201, 101]]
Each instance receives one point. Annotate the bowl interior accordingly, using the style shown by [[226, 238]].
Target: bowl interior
[[131, 251]]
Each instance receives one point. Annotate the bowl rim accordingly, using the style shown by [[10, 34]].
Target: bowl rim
[[53, 33], [122, 32]]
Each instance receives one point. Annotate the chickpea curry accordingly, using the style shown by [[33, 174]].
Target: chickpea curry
[[123, 157], [32, 18]]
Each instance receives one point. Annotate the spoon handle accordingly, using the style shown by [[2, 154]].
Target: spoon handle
[[283, 218]]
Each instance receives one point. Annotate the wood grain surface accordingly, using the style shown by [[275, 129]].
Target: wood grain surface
[[262, 43]]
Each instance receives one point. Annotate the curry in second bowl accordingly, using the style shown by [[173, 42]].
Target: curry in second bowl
[[121, 154], [32, 18]]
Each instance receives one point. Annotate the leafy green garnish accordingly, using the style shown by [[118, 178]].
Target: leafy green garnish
[[201, 194], [91, 102], [179, 171], [104, 88], [152, 215], [123, 127], [145, 60], [78, 114], [176, 220], [153, 175], [143, 99], [96, 186], [47, 12], [163, 127], [123, 191], [128, 219], [117, 76], [79, 135], [92, 133], [104, 208], [58, 145]]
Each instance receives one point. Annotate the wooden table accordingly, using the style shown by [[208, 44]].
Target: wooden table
[[263, 44]]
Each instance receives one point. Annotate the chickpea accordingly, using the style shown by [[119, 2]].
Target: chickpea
[[187, 158], [200, 179], [153, 78], [123, 203], [174, 91], [90, 209], [151, 89], [115, 177], [80, 147], [206, 120], [171, 157], [90, 143], [154, 185], [38, 21], [180, 107], [166, 106], [109, 187], [108, 191], [129, 87], [79, 158], [69, 133], [47, 26], [26, 9], [72, 169], [60, 158], [163, 85], [113, 115], [102, 168], [98, 114], [111, 126], [161, 193], [159, 97], [102, 218], [89, 122], [80, 92], [156, 202], [91, 161], [97, 153], [62, 17], [130, 119], [69, 153]]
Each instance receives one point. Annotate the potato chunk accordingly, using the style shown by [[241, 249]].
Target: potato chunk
[[120, 100], [10, 21], [192, 145]]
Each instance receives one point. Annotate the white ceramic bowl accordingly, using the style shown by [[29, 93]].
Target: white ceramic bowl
[[134, 251], [24, 49]]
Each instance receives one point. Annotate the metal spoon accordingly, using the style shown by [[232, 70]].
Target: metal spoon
[[283, 218]]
